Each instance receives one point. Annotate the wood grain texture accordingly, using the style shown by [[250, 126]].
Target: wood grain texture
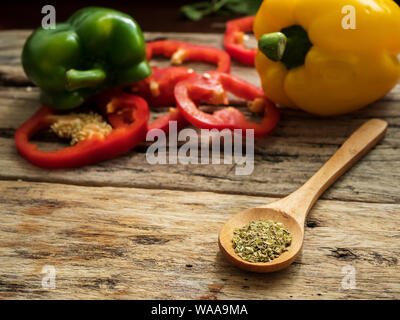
[[126, 229], [117, 243], [290, 155]]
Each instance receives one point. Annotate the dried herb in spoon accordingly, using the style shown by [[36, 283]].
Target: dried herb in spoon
[[261, 241]]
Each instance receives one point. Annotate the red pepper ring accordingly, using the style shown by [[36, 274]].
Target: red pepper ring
[[180, 51], [129, 116], [234, 38], [211, 88]]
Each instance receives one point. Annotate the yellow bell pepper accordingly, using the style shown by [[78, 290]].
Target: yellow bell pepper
[[328, 57]]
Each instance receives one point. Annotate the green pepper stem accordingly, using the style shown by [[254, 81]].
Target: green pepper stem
[[273, 45], [77, 79]]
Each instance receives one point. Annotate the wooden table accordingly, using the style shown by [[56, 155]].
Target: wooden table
[[127, 229]]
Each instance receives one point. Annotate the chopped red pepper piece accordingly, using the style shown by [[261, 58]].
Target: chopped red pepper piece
[[128, 114], [234, 38], [180, 51], [211, 88]]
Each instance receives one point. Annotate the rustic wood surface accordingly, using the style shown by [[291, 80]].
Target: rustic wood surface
[[127, 229]]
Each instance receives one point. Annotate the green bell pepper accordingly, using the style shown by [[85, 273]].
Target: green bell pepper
[[95, 49]]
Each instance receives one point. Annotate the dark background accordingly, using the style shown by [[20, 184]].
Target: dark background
[[152, 15]]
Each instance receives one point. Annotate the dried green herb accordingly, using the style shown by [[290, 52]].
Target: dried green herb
[[261, 241]]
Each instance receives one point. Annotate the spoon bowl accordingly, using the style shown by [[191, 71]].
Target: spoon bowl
[[293, 210], [256, 214]]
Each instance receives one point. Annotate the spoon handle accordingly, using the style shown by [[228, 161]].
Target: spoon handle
[[299, 203]]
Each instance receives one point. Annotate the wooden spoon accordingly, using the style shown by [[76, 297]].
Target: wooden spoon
[[292, 210]]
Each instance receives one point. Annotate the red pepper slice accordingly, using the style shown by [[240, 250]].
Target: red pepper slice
[[180, 51], [234, 38], [128, 115], [158, 88], [158, 91], [211, 88], [162, 122]]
